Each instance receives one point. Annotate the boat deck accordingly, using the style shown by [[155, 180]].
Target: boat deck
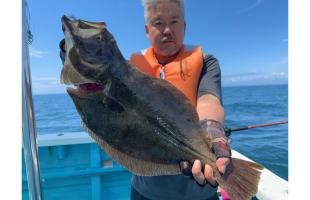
[[73, 167]]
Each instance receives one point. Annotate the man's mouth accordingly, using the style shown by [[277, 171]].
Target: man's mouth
[[166, 39]]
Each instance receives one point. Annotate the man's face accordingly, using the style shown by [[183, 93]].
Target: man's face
[[165, 28]]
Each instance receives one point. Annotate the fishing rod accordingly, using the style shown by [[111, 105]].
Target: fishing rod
[[229, 130]]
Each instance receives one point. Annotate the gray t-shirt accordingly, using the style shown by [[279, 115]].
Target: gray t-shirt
[[210, 77], [177, 187]]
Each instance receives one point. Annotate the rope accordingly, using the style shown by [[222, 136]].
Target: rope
[[29, 34]]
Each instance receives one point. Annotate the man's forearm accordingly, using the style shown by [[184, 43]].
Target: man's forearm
[[209, 107]]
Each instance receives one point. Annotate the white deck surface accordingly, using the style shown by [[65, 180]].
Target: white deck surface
[[271, 186]]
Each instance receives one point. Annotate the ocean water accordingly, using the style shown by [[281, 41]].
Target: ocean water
[[244, 106]]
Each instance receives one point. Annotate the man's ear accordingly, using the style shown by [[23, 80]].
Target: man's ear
[[147, 31]]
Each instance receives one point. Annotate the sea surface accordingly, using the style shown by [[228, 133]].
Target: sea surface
[[244, 106]]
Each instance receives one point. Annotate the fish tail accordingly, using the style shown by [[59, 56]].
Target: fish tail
[[240, 180]]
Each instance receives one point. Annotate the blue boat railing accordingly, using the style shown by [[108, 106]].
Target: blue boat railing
[[75, 166], [28, 120]]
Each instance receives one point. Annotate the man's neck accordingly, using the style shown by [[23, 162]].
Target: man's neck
[[163, 60]]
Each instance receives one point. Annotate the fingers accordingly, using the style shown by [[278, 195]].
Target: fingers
[[186, 168], [197, 173], [208, 173], [202, 176], [221, 164]]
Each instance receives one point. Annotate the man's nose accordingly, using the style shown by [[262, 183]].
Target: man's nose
[[167, 30]]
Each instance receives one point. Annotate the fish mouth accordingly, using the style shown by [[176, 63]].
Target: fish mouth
[[72, 26], [69, 75], [66, 23], [73, 29], [85, 90]]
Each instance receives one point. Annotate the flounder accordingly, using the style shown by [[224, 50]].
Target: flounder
[[143, 123]]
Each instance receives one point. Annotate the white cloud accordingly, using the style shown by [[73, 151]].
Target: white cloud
[[45, 79], [247, 9], [259, 78], [33, 52], [279, 74], [47, 85], [278, 63]]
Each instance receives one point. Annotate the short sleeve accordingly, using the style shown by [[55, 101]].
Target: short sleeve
[[210, 77]]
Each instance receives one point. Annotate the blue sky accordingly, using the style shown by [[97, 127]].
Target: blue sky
[[249, 37]]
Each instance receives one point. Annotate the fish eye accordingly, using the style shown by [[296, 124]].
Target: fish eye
[[83, 25], [99, 37]]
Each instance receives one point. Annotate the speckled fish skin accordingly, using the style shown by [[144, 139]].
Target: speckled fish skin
[[143, 123]]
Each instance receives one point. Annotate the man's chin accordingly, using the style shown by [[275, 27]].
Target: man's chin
[[169, 51]]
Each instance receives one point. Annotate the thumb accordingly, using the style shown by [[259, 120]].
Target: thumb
[[221, 164]]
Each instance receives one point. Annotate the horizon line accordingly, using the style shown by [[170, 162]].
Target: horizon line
[[225, 86]]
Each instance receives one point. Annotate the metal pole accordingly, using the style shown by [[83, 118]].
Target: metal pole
[[29, 130]]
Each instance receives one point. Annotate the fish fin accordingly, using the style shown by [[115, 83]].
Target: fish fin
[[136, 166], [240, 180]]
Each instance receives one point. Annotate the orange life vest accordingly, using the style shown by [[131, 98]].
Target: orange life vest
[[183, 72]]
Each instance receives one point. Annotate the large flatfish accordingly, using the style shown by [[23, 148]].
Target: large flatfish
[[143, 123]]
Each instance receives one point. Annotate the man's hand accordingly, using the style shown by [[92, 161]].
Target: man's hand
[[205, 174], [221, 149]]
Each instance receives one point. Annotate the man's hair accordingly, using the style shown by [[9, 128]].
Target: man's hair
[[147, 4]]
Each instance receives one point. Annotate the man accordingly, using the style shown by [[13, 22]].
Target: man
[[198, 77]]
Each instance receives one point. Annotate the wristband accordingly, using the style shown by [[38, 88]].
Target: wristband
[[220, 143]]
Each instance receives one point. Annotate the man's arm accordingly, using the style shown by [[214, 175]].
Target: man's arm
[[209, 107], [211, 115]]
